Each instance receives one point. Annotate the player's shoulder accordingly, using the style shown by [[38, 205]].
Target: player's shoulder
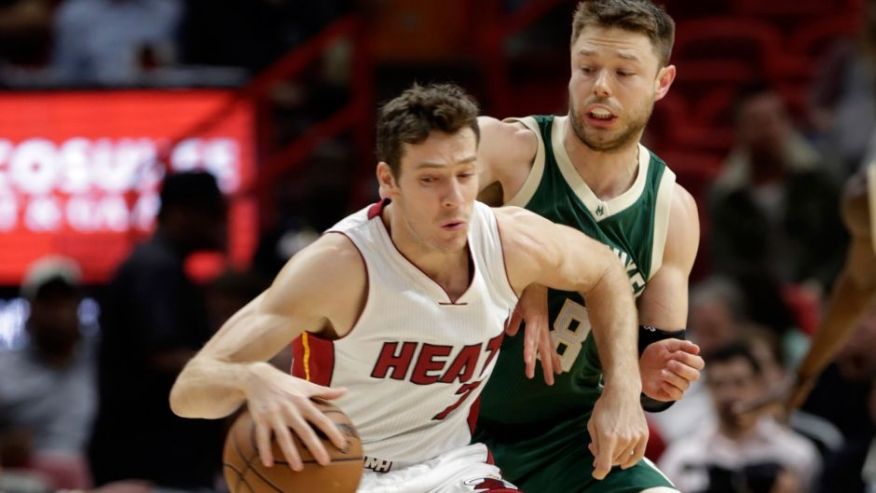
[[683, 201], [510, 137], [515, 216], [330, 261], [515, 127]]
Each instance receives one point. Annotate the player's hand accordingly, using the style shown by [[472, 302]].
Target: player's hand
[[668, 367], [278, 402], [532, 309], [618, 432]]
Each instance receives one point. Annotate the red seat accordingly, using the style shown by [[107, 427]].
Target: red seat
[[788, 8], [812, 39], [727, 48]]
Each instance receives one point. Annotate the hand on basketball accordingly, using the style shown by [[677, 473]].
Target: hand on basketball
[[618, 432], [278, 402], [668, 367], [533, 310]]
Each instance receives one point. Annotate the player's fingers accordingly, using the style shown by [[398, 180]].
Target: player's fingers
[[513, 325], [546, 353], [670, 392], [530, 345], [306, 434], [673, 344], [690, 347], [263, 444], [287, 445], [639, 451], [691, 360], [673, 379], [322, 392], [683, 371], [603, 459], [558, 362], [319, 419], [627, 458], [594, 438]]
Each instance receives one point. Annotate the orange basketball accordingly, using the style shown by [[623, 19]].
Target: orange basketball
[[245, 473]]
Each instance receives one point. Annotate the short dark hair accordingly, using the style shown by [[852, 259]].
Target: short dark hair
[[190, 189], [411, 116], [640, 16], [731, 351], [748, 91]]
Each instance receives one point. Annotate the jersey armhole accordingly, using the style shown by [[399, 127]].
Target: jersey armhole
[[662, 206], [367, 293]]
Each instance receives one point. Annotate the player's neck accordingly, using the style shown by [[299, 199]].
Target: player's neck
[[450, 270], [608, 174]]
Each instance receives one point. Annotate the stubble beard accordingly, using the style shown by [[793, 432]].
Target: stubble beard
[[627, 136]]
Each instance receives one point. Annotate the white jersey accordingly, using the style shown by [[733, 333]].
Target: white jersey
[[415, 361]]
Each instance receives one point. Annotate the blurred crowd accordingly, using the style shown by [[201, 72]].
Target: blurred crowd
[[150, 42], [83, 411]]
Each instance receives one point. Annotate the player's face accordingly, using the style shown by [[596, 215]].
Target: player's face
[[615, 80], [436, 189]]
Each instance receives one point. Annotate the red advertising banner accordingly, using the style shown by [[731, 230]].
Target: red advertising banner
[[80, 171]]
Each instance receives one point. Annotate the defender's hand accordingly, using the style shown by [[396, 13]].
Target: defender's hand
[[278, 402], [532, 309], [668, 367], [618, 432]]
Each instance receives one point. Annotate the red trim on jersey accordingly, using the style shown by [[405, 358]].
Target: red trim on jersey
[[376, 209], [298, 358], [473, 416], [313, 359]]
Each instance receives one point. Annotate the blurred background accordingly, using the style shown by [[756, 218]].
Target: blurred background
[[774, 108]]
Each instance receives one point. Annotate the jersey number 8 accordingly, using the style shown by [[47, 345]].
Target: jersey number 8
[[570, 329]]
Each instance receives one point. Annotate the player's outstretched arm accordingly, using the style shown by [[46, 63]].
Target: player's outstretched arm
[[320, 287], [538, 251], [853, 293], [670, 364]]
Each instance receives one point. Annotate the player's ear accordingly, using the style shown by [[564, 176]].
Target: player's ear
[[665, 76], [385, 180]]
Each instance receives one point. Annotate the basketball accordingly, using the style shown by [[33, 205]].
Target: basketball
[[245, 473]]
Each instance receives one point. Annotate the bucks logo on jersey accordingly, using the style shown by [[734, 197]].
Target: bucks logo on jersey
[[632, 224]]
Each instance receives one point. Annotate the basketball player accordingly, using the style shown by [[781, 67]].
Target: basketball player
[[854, 291], [405, 304], [588, 170]]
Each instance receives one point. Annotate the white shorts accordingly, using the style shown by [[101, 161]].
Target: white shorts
[[463, 470]]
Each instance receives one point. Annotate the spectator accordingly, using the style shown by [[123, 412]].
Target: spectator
[[775, 205], [113, 42], [843, 98], [25, 28], [742, 453], [840, 395], [717, 309], [154, 319], [47, 393]]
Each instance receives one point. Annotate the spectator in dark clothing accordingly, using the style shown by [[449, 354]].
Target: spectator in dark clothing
[[775, 213], [47, 389], [775, 205], [154, 320]]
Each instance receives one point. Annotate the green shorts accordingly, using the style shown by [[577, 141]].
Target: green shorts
[[555, 459]]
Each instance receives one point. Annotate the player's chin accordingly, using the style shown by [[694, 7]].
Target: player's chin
[[452, 242]]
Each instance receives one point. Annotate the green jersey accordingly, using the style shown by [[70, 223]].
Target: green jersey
[[632, 224]]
